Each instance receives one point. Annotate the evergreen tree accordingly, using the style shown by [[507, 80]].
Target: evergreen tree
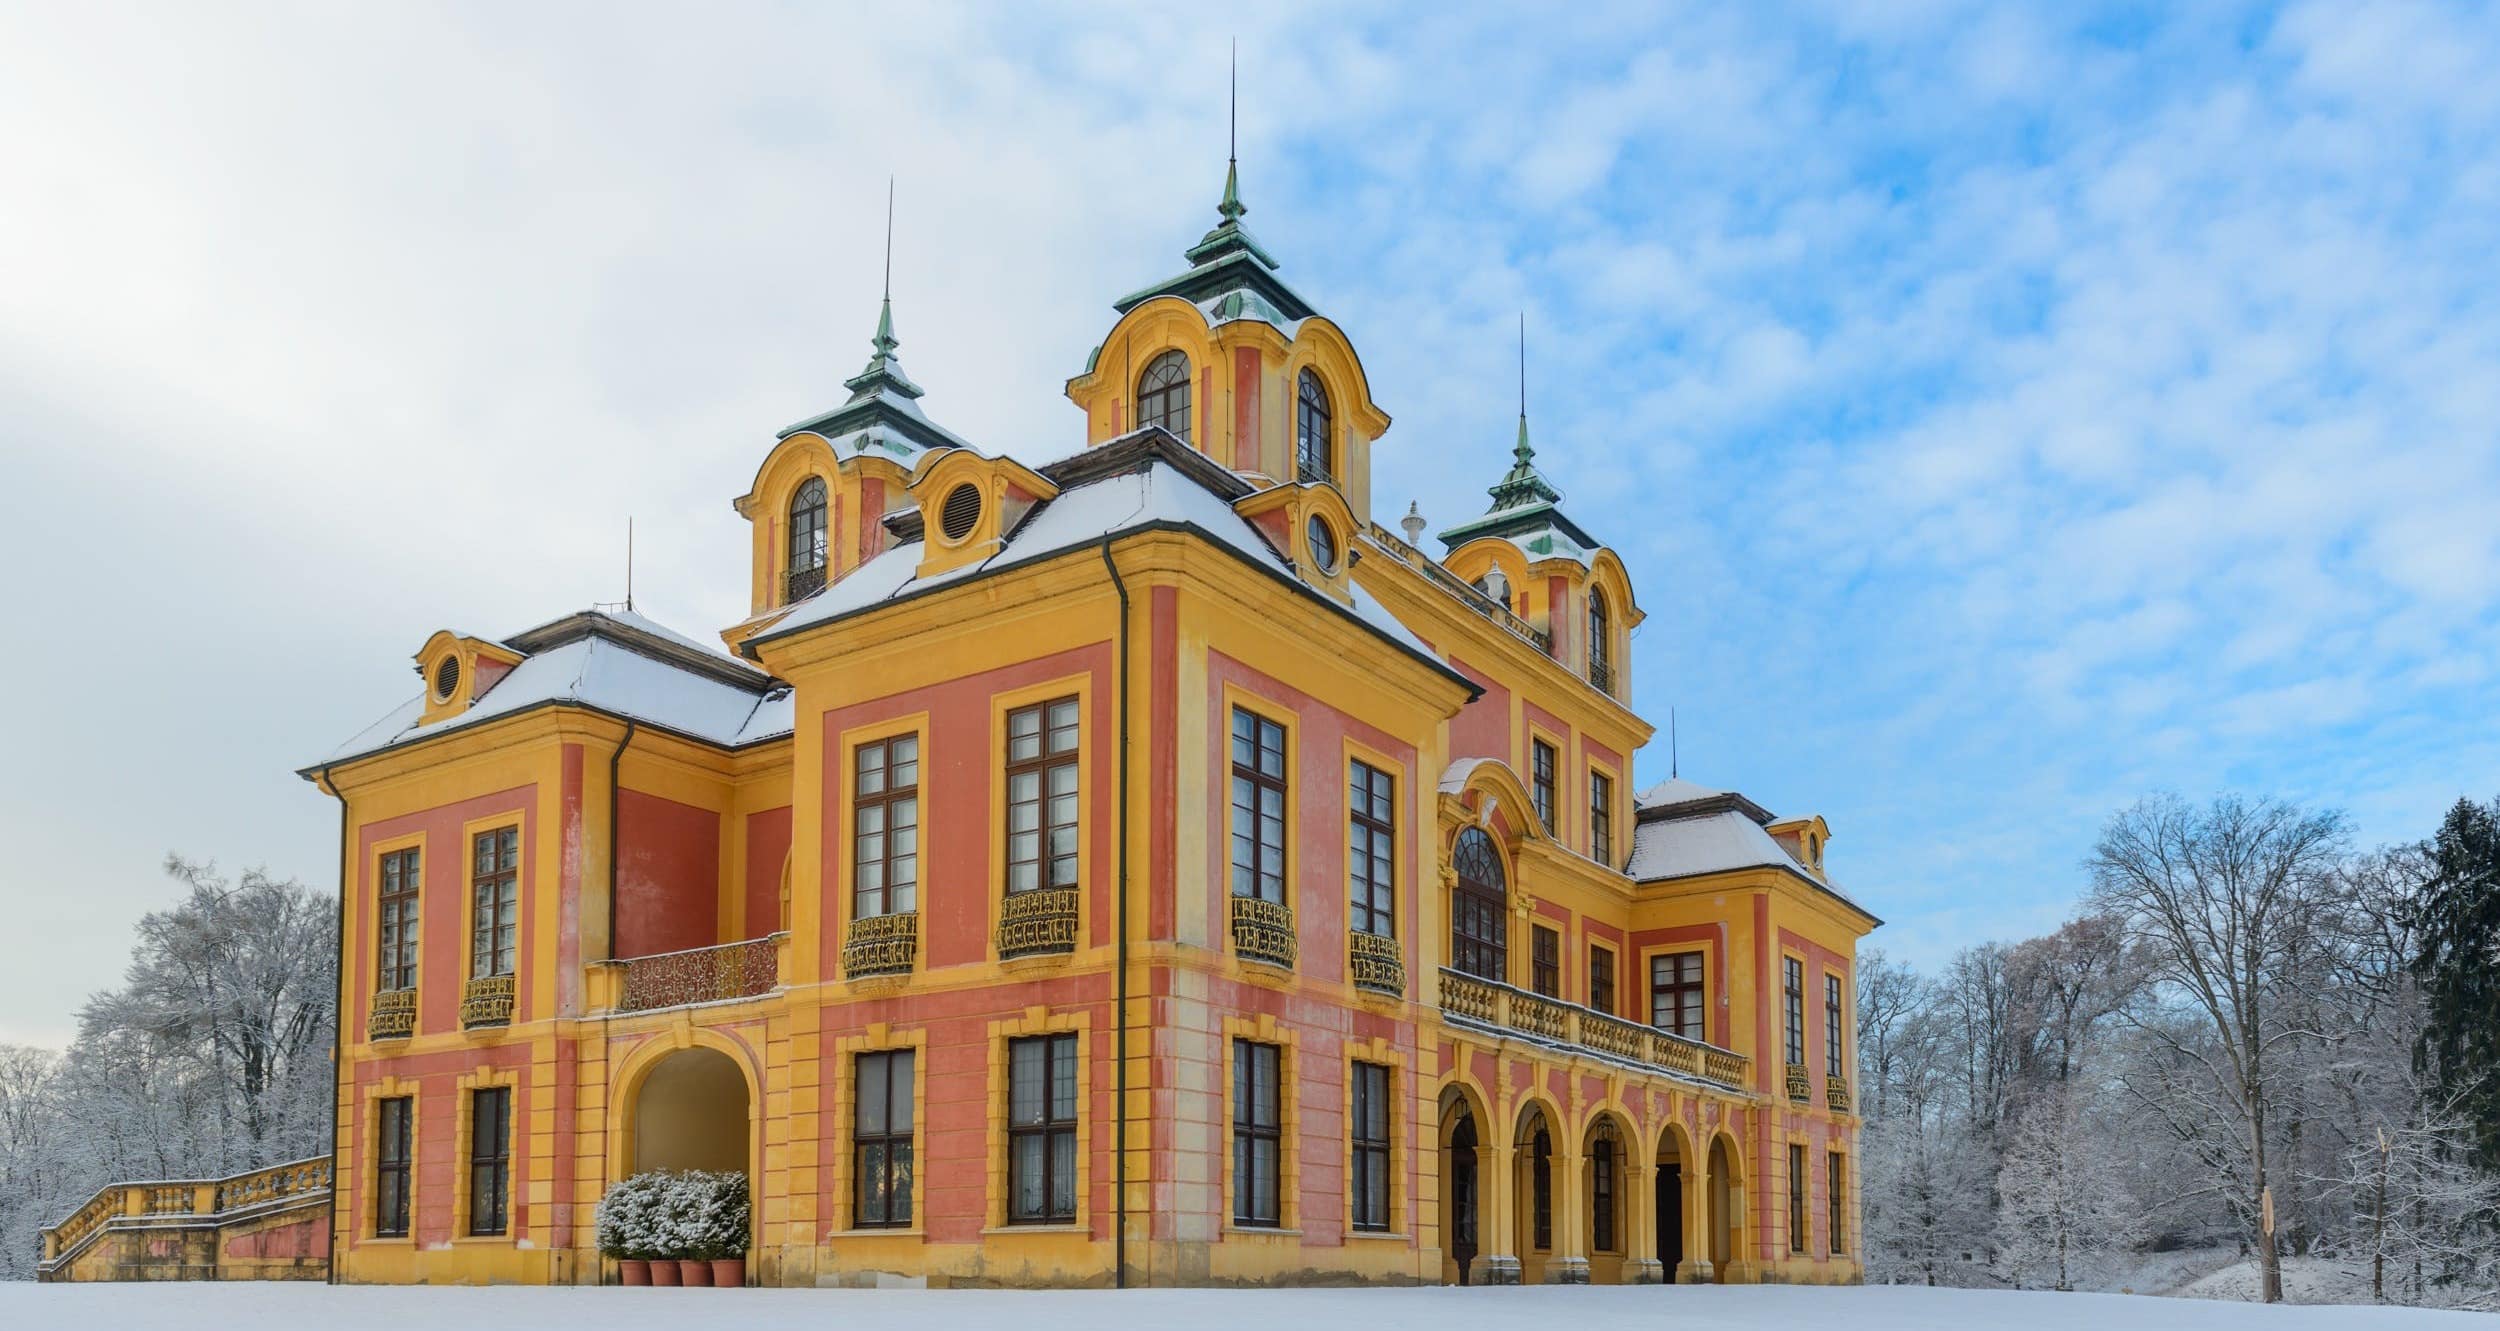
[[2457, 964]]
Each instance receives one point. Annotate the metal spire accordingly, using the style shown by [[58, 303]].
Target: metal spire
[[1522, 451], [1231, 206], [884, 341]]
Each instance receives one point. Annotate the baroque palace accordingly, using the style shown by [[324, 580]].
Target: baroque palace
[[1143, 868]]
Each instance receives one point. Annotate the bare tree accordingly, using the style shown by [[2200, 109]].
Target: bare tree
[[2223, 899]]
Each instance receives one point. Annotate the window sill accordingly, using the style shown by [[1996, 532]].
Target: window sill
[[879, 1232], [387, 1241], [998, 1231], [1377, 1236], [1263, 1231]]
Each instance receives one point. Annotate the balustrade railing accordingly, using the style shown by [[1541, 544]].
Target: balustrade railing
[[881, 945], [1492, 1003], [393, 1016], [1800, 1087], [486, 1001], [1263, 931], [1836, 1094], [294, 1179], [1373, 963], [1473, 597], [800, 583], [182, 1201], [700, 975], [1037, 922]]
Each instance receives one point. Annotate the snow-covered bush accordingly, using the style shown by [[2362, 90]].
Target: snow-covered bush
[[684, 1216]]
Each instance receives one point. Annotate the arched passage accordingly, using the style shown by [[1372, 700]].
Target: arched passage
[[1462, 1188], [1606, 1169], [1727, 1207], [690, 1111], [1536, 1187], [1669, 1183]]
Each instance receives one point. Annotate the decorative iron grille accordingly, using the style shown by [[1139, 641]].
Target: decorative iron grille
[[1043, 920], [881, 945], [1836, 1094], [699, 975], [800, 583], [486, 1001], [1374, 962], [1800, 1087], [394, 1015], [1263, 931]]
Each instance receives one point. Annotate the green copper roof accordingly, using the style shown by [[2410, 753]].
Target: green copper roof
[[1226, 259], [883, 411], [1524, 502]]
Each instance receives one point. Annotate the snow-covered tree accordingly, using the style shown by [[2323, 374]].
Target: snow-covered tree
[[2061, 1196]]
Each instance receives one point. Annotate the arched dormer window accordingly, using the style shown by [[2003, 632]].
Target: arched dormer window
[[807, 541], [1163, 394], [1479, 909], [1601, 643], [1313, 459]]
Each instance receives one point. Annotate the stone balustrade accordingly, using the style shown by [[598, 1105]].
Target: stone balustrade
[[1493, 1004]]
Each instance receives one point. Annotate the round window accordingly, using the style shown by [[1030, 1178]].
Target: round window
[[1323, 541], [961, 512], [446, 678]]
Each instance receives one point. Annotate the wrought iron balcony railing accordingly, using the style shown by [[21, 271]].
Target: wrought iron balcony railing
[[486, 1001], [1490, 1003], [800, 583], [881, 945], [701, 975], [1800, 1087], [1836, 1094], [1373, 963], [1602, 677], [1037, 922], [394, 1015], [1263, 931]]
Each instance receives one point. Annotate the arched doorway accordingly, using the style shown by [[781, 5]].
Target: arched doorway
[[1669, 1201], [1534, 1187], [1461, 1193], [1605, 1165], [1727, 1208], [690, 1111]]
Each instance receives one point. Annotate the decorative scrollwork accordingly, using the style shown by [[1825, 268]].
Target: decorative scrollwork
[[881, 945], [486, 1001], [1374, 963], [1263, 931], [1039, 921], [1800, 1087], [394, 1015], [699, 975], [1836, 1094], [800, 583]]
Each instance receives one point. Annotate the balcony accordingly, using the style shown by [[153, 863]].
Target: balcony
[[1500, 1007], [1263, 931], [1800, 1086], [700, 975], [1037, 922], [1602, 677], [486, 1001], [881, 945], [1456, 586], [394, 1015], [800, 583], [1836, 1094], [1372, 961]]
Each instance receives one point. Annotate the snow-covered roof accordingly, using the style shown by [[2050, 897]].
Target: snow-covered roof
[[1683, 830], [615, 662], [1674, 790], [1160, 492]]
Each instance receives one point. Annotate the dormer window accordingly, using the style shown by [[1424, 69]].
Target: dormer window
[[1163, 394], [1601, 643], [1312, 458], [446, 677], [807, 540], [1322, 539]]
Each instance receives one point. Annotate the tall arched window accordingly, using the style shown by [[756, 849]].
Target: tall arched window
[[1601, 643], [1312, 458], [1163, 394], [1602, 1190], [1479, 908], [1541, 1189], [807, 540]]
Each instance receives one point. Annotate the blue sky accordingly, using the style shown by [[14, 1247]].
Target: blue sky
[[2004, 410]]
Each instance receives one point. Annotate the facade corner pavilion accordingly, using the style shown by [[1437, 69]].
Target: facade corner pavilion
[[1141, 868]]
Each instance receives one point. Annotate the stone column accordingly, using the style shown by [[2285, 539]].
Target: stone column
[[1495, 1219], [1640, 1227], [1569, 1262]]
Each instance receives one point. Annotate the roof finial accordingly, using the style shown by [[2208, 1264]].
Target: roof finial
[[1522, 451], [1231, 206], [1675, 763], [884, 340]]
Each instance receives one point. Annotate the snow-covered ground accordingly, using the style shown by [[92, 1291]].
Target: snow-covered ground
[[273, 1307]]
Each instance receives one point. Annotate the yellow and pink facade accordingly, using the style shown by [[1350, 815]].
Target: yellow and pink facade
[[1137, 868]]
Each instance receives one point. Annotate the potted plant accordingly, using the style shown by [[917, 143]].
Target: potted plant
[[685, 1207], [623, 1227], [728, 1229]]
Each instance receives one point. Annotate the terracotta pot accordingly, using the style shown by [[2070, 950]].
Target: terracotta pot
[[634, 1270], [691, 1272], [663, 1272], [729, 1272]]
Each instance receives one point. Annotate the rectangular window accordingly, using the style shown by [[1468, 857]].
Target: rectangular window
[[1793, 989], [1602, 979], [1833, 1064], [401, 873], [1545, 963], [1041, 1130], [1835, 1184], [390, 1165], [495, 916], [885, 828], [1041, 796], [1796, 1199], [1601, 818], [490, 1158], [1371, 848], [1541, 780], [1371, 1147], [881, 1139], [1258, 807], [1258, 1134], [1675, 990]]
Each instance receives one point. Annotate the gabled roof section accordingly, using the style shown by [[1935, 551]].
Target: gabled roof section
[[1227, 262], [1684, 830], [617, 663], [1146, 480]]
